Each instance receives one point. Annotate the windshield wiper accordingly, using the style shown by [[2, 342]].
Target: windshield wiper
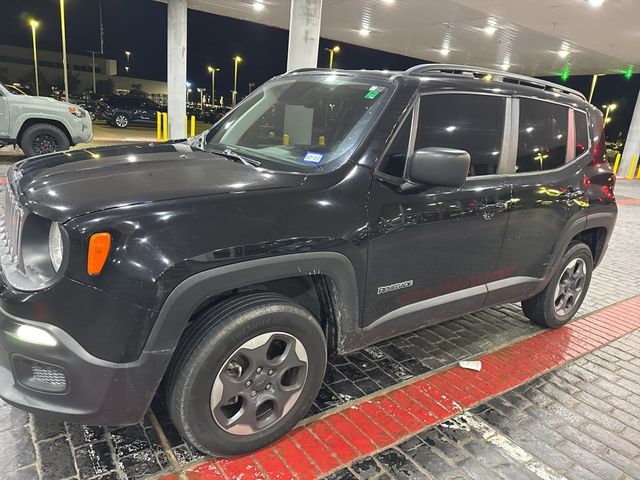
[[230, 154]]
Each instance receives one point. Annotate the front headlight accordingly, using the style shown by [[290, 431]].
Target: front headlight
[[78, 112], [56, 248]]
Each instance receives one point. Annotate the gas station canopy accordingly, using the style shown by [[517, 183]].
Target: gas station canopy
[[532, 37]]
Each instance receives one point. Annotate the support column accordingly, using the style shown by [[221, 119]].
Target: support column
[[177, 67], [632, 145], [304, 34]]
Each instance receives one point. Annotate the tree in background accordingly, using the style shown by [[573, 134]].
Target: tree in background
[[136, 90], [29, 79]]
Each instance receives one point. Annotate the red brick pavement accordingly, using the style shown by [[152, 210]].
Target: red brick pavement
[[375, 423]]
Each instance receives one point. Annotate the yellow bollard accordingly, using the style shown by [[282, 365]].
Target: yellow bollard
[[638, 174], [165, 126], [617, 163], [632, 167], [321, 140], [158, 126], [285, 139], [193, 125], [186, 126]]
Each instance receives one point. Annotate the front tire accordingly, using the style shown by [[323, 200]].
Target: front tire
[[120, 120], [245, 373], [556, 305], [42, 138]]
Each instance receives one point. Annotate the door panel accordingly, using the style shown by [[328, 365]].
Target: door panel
[[440, 241], [432, 251], [548, 194]]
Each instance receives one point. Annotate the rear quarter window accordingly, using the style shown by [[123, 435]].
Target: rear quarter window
[[582, 133]]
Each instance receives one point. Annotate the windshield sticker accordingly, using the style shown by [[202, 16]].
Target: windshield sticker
[[313, 157], [372, 93]]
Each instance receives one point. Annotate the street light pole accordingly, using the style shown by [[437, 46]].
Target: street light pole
[[93, 64], [237, 59], [332, 51], [213, 71], [609, 108], [34, 24], [593, 86], [64, 52], [128, 54]]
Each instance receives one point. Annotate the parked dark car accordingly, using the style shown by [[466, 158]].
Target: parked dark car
[[212, 114], [328, 211], [89, 106], [124, 110]]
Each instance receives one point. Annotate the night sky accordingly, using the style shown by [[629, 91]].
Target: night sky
[[140, 26]]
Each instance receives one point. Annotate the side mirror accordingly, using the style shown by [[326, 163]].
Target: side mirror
[[443, 167]]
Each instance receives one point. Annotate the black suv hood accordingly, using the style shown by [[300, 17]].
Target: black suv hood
[[64, 185]]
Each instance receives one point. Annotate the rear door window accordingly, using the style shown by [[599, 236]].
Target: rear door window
[[542, 136]]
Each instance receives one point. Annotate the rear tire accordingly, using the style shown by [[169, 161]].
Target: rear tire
[[245, 372], [556, 305], [42, 138]]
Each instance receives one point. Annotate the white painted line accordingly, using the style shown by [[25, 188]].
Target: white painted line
[[510, 448]]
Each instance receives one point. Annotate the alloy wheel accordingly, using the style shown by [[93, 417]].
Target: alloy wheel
[[44, 143], [259, 383], [570, 286], [121, 121]]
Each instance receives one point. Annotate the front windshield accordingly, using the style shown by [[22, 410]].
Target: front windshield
[[13, 89], [302, 123]]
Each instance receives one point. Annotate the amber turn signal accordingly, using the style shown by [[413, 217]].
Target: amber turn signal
[[99, 245]]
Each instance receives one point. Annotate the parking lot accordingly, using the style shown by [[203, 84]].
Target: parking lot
[[558, 404], [103, 134]]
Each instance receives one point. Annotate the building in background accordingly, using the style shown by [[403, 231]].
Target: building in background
[[16, 66]]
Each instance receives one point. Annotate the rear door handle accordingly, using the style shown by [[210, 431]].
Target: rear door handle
[[493, 207]]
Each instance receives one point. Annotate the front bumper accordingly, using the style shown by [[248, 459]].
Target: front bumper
[[82, 130], [95, 391]]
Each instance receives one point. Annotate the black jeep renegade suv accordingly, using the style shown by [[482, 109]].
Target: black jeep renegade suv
[[328, 211]]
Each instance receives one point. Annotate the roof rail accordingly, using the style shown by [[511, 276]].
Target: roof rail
[[497, 75]]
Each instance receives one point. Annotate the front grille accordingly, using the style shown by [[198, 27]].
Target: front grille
[[49, 375], [38, 375], [11, 227]]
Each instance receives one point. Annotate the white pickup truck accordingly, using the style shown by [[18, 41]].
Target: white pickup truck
[[40, 124]]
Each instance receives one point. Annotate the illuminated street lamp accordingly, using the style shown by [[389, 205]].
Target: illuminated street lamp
[[34, 25], [236, 60], [332, 51], [608, 109], [213, 71], [128, 55], [64, 51], [201, 92]]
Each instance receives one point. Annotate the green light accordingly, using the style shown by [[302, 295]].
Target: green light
[[564, 74], [628, 73]]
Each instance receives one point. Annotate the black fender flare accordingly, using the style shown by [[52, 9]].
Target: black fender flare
[[606, 220], [574, 228], [192, 292]]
